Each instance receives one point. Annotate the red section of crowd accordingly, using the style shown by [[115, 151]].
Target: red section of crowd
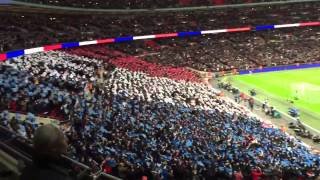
[[135, 64], [155, 70]]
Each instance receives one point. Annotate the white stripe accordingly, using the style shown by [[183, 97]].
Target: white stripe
[[87, 43], [144, 37], [33, 50], [287, 25], [214, 31]]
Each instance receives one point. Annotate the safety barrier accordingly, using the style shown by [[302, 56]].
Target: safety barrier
[[280, 68], [17, 53]]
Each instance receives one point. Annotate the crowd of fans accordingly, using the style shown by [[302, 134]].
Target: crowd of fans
[[23, 126], [140, 4], [70, 73], [133, 124], [227, 52], [153, 117], [28, 30], [132, 63]]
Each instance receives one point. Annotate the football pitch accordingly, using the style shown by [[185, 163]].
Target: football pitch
[[300, 86]]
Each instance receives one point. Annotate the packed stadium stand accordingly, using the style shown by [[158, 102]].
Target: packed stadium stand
[[143, 123], [26, 30], [135, 110]]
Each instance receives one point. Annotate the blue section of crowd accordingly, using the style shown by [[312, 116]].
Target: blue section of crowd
[[151, 125]]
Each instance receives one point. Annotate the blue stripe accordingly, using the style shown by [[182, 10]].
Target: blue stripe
[[15, 53], [259, 28], [122, 39], [70, 45], [192, 33], [281, 68]]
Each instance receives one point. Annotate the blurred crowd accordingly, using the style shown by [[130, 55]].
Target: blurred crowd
[[133, 63], [28, 30], [140, 4], [132, 124], [229, 51], [57, 76], [23, 126]]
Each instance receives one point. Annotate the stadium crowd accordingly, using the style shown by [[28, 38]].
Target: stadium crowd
[[229, 51], [24, 127], [28, 30], [140, 4], [155, 118], [131, 123]]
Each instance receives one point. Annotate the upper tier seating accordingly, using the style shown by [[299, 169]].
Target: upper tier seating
[[26, 30]]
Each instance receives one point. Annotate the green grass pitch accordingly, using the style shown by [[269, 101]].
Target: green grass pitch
[[279, 87]]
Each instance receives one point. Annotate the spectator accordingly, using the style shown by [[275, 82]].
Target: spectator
[[49, 145], [256, 174], [238, 174]]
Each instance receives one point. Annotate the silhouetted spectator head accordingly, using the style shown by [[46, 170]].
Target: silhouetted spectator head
[[49, 140]]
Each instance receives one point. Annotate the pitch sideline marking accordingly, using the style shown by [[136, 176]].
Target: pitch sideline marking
[[316, 130]]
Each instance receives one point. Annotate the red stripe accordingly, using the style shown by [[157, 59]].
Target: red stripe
[[104, 41], [3, 57], [310, 24], [239, 29], [166, 35], [52, 47]]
